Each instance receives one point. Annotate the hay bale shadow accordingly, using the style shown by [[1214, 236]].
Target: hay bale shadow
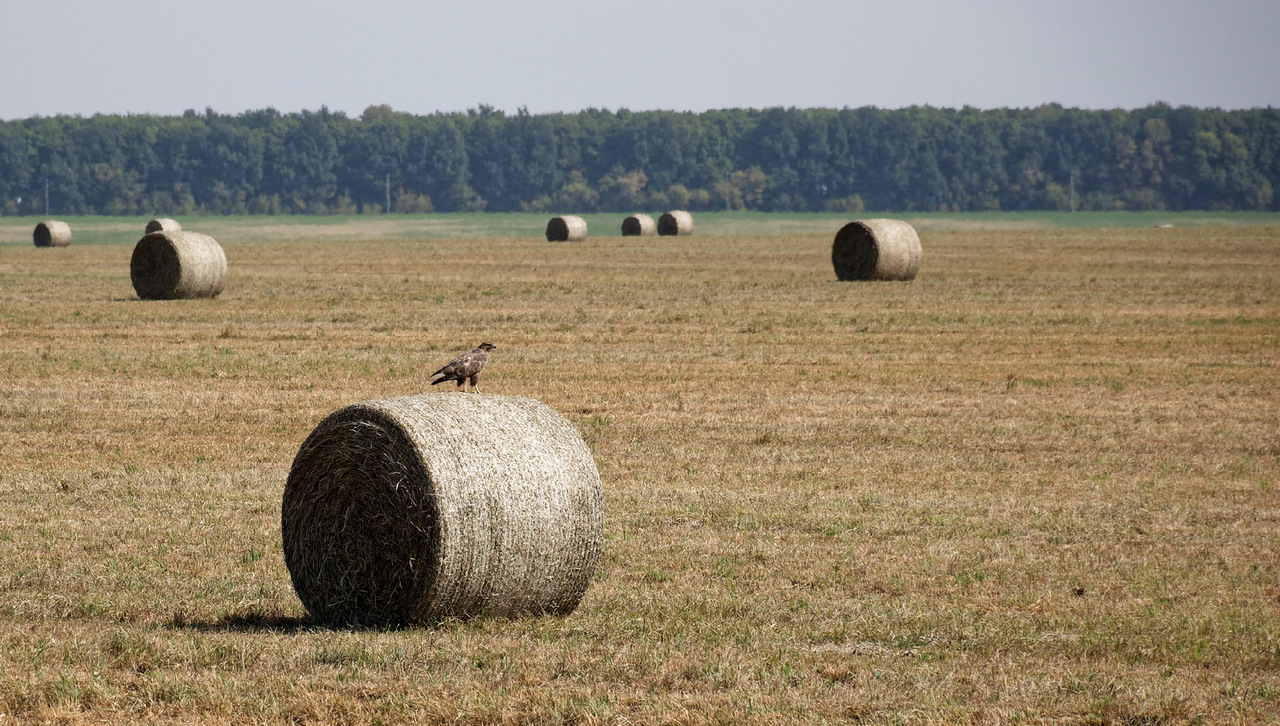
[[251, 621]]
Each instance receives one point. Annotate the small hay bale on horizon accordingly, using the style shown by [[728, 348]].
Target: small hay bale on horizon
[[568, 228], [52, 233], [163, 224], [675, 223], [178, 265], [638, 225], [876, 249], [418, 508]]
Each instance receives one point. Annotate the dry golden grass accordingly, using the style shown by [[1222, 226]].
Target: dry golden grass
[[1038, 484]]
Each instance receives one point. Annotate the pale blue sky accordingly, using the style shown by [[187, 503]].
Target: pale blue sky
[[165, 56]]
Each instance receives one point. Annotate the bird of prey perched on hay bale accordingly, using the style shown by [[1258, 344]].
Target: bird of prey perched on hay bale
[[465, 367]]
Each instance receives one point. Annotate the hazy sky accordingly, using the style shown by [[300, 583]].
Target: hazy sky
[[165, 56]]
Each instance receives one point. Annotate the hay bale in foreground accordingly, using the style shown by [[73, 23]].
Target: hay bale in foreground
[[566, 229], [413, 509], [675, 222], [163, 224], [876, 249], [176, 265], [638, 225], [52, 233]]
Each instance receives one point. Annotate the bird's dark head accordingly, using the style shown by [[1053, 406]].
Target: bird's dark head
[[486, 347]]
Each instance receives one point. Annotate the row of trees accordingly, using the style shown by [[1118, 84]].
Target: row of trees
[[918, 158]]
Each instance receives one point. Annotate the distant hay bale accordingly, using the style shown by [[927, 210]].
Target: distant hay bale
[[566, 229], [676, 222], [52, 233], [876, 249], [418, 508], [163, 224], [177, 265], [638, 225]]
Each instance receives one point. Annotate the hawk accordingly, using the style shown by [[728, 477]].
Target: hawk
[[465, 367]]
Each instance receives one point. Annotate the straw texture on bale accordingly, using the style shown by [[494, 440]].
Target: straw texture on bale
[[675, 223], [52, 233], [566, 229], [163, 224], [177, 265], [876, 249], [638, 225], [413, 509]]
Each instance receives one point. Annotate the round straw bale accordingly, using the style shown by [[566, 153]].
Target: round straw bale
[[418, 508], [676, 222], [566, 229], [876, 249], [52, 233], [175, 265], [638, 225], [163, 224]]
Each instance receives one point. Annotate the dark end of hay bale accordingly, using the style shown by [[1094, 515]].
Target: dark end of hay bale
[[178, 265], [52, 233], [163, 224], [675, 223], [566, 229], [876, 249], [638, 225], [413, 509]]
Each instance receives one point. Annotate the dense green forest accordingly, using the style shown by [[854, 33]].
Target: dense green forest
[[848, 160]]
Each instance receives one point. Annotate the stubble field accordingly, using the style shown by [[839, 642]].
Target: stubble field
[[1036, 484]]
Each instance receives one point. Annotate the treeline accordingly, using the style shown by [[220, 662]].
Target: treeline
[[920, 158]]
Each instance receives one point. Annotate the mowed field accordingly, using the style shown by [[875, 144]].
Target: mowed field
[[1037, 484]]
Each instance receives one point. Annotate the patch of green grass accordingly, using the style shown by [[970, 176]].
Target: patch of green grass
[[99, 230]]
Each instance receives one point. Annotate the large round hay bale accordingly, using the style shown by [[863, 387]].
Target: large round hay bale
[[876, 249], [175, 265], [413, 509], [638, 225], [566, 229], [676, 222], [163, 224], [52, 233]]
